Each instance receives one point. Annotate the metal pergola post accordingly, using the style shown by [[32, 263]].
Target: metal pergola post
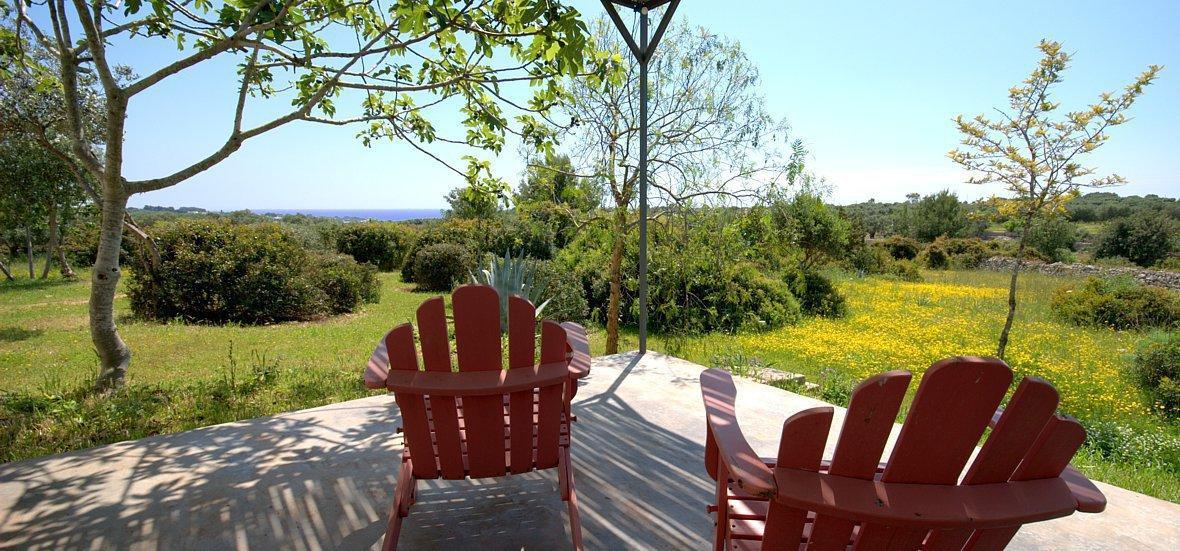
[[643, 53]]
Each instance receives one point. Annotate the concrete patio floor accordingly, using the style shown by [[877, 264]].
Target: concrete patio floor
[[323, 479]]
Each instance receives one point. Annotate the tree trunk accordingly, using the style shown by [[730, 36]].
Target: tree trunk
[[51, 246], [7, 273], [104, 281], [29, 251], [1003, 345], [616, 280], [64, 264]]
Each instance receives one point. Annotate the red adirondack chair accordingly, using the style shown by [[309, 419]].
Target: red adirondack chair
[[481, 420], [915, 500]]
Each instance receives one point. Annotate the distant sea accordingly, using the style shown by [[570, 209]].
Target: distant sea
[[362, 214]]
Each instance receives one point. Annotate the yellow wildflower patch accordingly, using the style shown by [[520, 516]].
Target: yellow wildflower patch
[[900, 325]]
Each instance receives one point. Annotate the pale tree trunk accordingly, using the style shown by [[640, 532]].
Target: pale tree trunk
[[113, 353], [51, 246], [616, 280], [4, 268], [64, 263], [29, 251], [1003, 344]]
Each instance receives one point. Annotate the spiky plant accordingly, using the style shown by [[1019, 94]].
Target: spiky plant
[[513, 276]]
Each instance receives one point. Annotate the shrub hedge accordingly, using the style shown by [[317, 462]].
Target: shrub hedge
[[1156, 369], [817, 296], [1120, 303], [381, 244], [215, 271], [439, 267]]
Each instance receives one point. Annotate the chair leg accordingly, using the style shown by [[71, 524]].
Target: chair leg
[[404, 496], [565, 476]]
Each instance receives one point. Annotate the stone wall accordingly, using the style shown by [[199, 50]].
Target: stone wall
[[1159, 278]]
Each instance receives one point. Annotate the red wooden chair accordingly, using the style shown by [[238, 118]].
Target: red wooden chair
[[481, 420], [915, 500]]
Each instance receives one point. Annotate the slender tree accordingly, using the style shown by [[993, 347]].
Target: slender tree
[[399, 61], [711, 136], [1038, 156]]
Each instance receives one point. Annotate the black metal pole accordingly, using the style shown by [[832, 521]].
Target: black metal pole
[[643, 181]]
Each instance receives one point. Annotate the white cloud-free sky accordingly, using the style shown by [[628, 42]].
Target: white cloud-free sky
[[871, 87]]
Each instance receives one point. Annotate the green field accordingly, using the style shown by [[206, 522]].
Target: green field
[[184, 376]]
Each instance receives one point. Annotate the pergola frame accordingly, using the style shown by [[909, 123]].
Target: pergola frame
[[643, 53]]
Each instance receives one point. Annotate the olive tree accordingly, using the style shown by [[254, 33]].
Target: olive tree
[[711, 136], [1037, 154], [386, 66]]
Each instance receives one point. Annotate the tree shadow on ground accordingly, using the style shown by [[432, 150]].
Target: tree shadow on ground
[[17, 334]]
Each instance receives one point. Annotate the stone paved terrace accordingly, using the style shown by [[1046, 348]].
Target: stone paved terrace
[[323, 479]]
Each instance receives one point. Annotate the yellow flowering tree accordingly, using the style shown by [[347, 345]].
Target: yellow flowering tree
[[1037, 154]]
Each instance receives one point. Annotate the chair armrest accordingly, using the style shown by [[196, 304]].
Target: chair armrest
[[377, 370], [1089, 498], [726, 439], [477, 383], [929, 506], [579, 349]]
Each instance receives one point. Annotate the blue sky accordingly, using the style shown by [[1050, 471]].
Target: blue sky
[[871, 87]]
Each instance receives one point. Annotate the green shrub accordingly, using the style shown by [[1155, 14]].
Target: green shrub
[[215, 271], [486, 236], [876, 260], [1156, 369], [901, 248], [969, 253], [381, 244], [1054, 238], [345, 282], [935, 256], [699, 297], [441, 266], [568, 301], [1120, 303], [523, 236], [1144, 240], [817, 296]]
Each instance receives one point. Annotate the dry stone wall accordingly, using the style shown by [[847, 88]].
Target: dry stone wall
[[1159, 278]]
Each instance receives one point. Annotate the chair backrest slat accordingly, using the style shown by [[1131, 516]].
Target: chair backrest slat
[[477, 346], [471, 433], [402, 357], [550, 398], [863, 436], [522, 349], [801, 447], [1031, 407], [444, 413], [950, 411], [1048, 456]]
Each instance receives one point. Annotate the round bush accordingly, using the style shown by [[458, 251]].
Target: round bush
[[1120, 303], [1144, 240], [817, 296], [935, 256], [215, 271], [1156, 369], [901, 248], [440, 266], [381, 244], [344, 282]]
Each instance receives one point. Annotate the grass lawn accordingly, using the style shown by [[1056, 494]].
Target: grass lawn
[[185, 376]]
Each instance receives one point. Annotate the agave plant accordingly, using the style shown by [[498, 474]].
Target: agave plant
[[513, 276]]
